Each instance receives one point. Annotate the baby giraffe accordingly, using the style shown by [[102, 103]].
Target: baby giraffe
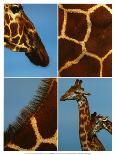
[[77, 93], [99, 122]]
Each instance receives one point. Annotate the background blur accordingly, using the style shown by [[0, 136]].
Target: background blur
[[44, 18], [100, 101]]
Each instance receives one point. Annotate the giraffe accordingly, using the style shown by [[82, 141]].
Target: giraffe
[[85, 40], [99, 122], [20, 35], [35, 129], [77, 93]]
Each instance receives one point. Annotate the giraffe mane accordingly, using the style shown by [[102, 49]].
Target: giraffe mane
[[31, 109]]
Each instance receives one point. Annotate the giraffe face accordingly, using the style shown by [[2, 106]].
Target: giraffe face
[[76, 92], [97, 123], [20, 35]]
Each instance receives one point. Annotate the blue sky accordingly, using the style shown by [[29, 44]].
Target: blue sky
[[44, 18], [99, 101]]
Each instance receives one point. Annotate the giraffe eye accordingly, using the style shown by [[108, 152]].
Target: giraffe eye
[[16, 9]]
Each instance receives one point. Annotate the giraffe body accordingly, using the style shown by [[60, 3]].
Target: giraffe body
[[77, 93], [20, 35], [36, 127]]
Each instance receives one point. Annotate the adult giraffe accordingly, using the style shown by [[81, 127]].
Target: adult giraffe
[[76, 92]]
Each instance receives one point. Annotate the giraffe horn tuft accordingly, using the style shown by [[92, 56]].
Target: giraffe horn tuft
[[78, 82]]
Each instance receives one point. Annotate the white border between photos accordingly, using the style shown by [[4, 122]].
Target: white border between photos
[[113, 79]]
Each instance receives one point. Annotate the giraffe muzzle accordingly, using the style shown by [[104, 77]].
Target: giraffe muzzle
[[39, 56]]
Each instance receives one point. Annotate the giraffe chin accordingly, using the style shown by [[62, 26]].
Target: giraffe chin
[[38, 59]]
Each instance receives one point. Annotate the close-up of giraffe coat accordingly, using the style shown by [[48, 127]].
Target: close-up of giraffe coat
[[20, 35], [85, 40], [35, 129]]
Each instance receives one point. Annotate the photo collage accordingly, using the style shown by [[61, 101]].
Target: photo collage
[[57, 61]]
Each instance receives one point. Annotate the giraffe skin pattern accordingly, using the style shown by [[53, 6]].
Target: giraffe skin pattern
[[20, 35], [85, 40]]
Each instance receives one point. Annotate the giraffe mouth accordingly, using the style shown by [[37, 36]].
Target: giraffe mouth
[[62, 98], [39, 56]]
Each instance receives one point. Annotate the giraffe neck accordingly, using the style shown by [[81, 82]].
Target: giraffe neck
[[96, 145], [39, 132], [87, 144], [84, 122]]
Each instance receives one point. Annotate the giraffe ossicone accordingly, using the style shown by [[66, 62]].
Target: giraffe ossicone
[[20, 35]]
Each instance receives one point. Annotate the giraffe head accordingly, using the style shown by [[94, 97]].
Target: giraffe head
[[97, 123], [20, 35], [76, 92]]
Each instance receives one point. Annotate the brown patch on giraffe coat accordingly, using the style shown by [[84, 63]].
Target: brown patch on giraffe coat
[[100, 40], [7, 20], [87, 126], [25, 137], [16, 40], [86, 110], [68, 51], [23, 40], [82, 130], [14, 27], [82, 111], [76, 26], [87, 66], [107, 66], [47, 114], [83, 137], [85, 118], [46, 147], [6, 30], [20, 30], [61, 18], [78, 6], [82, 119]]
